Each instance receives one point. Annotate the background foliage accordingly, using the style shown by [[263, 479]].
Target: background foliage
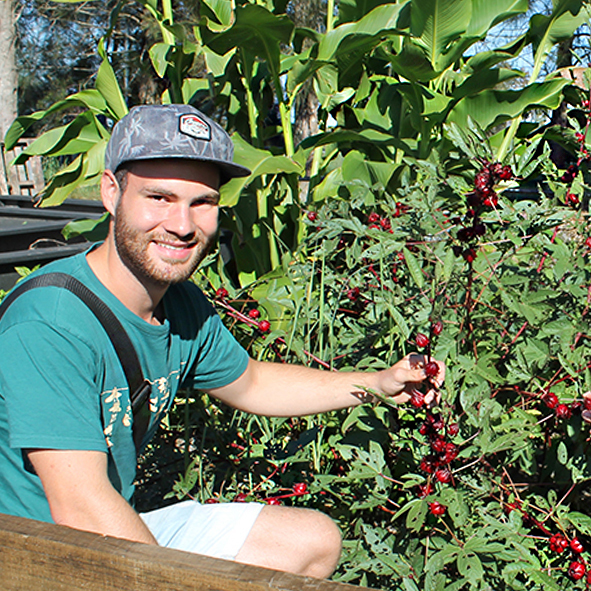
[[426, 194]]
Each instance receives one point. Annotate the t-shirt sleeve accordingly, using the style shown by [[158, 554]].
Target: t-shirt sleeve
[[49, 386], [221, 359], [217, 358]]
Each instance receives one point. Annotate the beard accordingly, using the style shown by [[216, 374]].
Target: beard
[[133, 248]]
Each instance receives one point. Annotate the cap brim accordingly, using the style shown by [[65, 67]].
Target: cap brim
[[228, 170]]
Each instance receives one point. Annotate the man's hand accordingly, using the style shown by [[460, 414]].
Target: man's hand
[[407, 375]]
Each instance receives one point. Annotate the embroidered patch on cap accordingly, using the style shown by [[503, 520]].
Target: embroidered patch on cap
[[195, 127]]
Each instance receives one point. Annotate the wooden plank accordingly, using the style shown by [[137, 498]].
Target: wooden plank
[[47, 557]]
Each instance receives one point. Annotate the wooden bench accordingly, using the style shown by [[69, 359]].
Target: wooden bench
[[23, 179], [37, 556]]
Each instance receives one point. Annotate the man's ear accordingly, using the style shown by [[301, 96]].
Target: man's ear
[[109, 191]]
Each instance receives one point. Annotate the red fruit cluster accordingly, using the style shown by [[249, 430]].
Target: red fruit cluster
[[442, 452], [436, 463], [565, 411], [254, 313], [569, 174], [221, 293], [483, 196], [312, 216], [379, 223], [577, 568], [264, 325], [558, 543]]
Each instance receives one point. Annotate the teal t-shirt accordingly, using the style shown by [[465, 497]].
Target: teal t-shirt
[[59, 373]]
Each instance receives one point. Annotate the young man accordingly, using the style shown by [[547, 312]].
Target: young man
[[66, 448]]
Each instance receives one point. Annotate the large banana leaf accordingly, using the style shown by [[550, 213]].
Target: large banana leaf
[[492, 107], [545, 31], [91, 99], [260, 162], [437, 24], [486, 14], [76, 137], [352, 37], [256, 32], [353, 10]]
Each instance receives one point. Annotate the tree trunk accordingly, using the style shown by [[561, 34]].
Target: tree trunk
[[8, 73]]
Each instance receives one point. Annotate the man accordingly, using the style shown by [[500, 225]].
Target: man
[[67, 453]]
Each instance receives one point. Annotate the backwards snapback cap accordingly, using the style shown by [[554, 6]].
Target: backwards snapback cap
[[148, 132]]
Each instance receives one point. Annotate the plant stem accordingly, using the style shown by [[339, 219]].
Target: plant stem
[[285, 113], [167, 36], [329, 15]]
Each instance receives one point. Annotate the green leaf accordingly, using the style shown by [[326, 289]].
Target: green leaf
[[437, 24], [486, 15], [416, 516], [413, 268], [581, 522], [380, 19], [256, 32], [493, 107], [92, 230], [222, 10], [260, 162], [76, 137], [469, 566], [545, 31], [107, 85]]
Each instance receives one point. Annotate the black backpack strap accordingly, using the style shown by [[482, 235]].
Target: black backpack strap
[[139, 388]]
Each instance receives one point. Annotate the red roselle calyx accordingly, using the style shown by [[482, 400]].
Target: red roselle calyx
[[431, 369], [453, 429], [558, 543], [576, 546], [443, 475], [563, 411], [422, 340], [417, 399], [437, 508], [576, 570], [550, 399]]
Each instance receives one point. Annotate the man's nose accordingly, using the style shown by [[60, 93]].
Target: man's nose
[[180, 220]]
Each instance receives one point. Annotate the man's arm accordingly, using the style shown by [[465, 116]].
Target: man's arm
[[81, 496], [275, 389]]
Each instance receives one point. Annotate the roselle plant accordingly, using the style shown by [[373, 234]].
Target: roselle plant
[[489, 490], [415, 218]]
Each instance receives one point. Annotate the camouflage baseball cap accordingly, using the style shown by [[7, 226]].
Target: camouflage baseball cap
[[148, 132]]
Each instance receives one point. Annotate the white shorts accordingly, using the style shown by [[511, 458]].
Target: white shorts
[[217, 530]]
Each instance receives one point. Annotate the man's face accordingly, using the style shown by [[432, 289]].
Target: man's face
[[166, 219]]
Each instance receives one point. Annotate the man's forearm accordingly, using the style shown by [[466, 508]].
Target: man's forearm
[[290, 390], [81, 496]]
